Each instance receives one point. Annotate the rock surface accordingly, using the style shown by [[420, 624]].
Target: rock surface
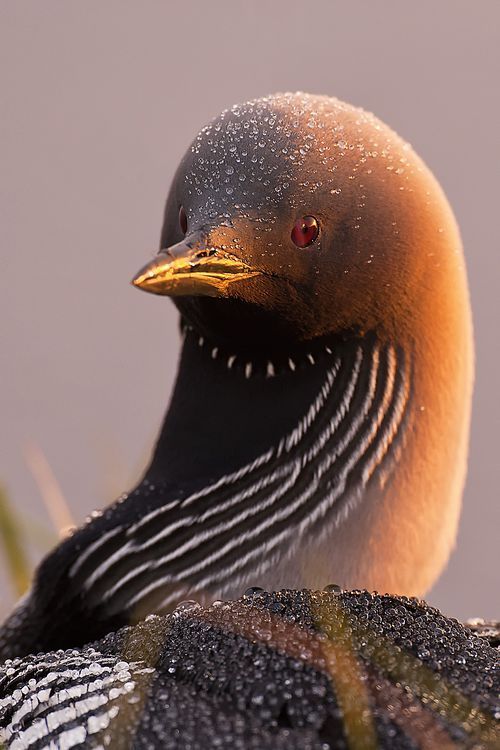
[[294, 669]]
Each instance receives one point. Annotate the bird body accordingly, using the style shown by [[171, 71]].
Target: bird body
[[287, 670], [318, 427]]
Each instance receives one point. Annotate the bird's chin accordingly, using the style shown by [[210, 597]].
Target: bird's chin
[[237, 325]]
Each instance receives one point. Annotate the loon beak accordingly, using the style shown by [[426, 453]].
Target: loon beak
[[192, 267]]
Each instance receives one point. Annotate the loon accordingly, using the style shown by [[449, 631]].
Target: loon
[[319, 422]]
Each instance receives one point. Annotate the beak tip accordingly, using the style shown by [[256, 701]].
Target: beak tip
[[140, 280], [148, 282], [135, 281]]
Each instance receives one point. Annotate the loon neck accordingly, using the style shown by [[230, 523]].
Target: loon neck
[[302, 452], [227, 409]]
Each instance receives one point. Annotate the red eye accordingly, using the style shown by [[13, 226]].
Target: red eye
[[305, 231], [183, 220]]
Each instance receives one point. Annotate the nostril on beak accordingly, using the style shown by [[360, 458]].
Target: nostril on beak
[[206, 252]]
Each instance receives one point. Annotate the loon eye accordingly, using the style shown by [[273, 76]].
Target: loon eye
[[183, 221], [305, 231]]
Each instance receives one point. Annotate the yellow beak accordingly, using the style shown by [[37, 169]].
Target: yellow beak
[[192, 268]]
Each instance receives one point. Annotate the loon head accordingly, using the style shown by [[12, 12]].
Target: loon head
[[293, 217]]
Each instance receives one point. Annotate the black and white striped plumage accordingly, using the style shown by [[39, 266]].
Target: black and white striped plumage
[[238, 527]]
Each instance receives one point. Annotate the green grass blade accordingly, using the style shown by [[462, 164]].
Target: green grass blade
[[11, 545]]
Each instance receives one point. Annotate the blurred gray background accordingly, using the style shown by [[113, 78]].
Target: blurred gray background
[[99, 102]]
